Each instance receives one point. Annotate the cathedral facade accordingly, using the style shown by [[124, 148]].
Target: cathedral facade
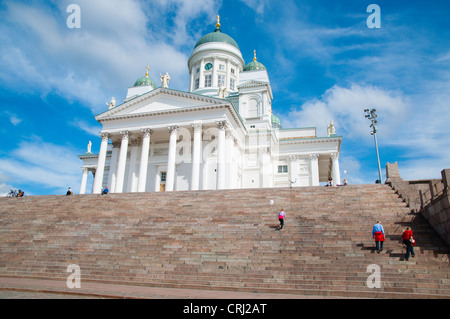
[[221, 134]]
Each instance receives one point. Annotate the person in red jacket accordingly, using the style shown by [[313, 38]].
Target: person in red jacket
[[408, 240]]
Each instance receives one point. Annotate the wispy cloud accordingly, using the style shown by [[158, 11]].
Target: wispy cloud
[[89, 64], [42, 164], [13, 118]]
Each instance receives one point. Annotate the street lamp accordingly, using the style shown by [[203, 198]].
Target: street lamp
[[372, 116]]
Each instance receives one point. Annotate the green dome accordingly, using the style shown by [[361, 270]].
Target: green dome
[[145, 81], [254, 65], [276, 123], [217, 36]]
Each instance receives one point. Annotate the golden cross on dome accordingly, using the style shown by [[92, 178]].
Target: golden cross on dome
[[218, 22], [254, 57], [146, 74]]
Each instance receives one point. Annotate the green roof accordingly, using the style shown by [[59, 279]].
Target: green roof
[[145, 81], [276, 121], [217, 36], [254, 65]]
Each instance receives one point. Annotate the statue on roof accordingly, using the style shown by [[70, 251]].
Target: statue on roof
[[331, 129], [165, 80], [89, 148], [112, 103], [222, 91]]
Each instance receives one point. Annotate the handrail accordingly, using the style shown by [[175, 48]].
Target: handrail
[[434, 193]]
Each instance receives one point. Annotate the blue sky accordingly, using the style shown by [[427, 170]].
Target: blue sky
[[323, 61]]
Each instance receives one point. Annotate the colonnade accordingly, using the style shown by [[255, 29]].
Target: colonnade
[[138, 183]]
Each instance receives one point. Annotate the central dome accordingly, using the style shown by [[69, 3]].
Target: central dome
[[217, 36]]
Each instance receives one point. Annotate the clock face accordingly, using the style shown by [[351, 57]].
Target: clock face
[[208, 66]]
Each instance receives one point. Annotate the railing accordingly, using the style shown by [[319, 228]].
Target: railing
[[436, 189]]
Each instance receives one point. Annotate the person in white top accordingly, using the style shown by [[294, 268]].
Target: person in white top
[[281, 218]]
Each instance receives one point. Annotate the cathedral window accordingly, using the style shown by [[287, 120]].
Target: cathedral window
[[282, 169], [221, 80], [232, 84], [252, 108], [197, 83], [221, 67], [208, 80]]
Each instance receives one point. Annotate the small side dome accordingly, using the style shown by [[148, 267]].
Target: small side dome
[[254, 65], [276, 123], [145, 81]]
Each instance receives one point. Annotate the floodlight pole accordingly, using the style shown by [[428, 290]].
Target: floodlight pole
[[372, 116]]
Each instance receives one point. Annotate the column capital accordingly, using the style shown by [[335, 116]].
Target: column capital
[[105, 136], [294, 158], [85, 170], [125, 135], [221, 125], [147, 132], [173, 129], [197, 127], [334, 156], [314, 156]]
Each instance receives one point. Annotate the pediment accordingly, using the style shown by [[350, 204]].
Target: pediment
[[159, 100], [252, 84]]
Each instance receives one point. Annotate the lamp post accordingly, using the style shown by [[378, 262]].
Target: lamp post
[[372, 116]]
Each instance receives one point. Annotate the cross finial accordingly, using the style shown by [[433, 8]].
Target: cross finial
[[254, 57], [146, 74], [218, 22]]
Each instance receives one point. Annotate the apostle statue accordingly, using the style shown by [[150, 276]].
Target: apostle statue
[[165, 80], [331, 129], [89, 147], [222, 91], [112, 103]]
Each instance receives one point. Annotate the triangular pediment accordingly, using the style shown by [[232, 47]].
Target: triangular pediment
[[252, 84], [159, 100]]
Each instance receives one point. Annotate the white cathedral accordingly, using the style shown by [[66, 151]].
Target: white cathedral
[[219, 135]]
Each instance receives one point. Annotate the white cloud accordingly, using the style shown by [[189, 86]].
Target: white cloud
[[92, 63], [82, 125], [345, 106], [42, 164], [13, 118]]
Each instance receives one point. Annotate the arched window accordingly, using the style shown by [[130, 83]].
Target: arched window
[[252, 108]]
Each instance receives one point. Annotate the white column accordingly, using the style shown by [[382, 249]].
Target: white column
[[202, 74], [214, 82], [294, 170], [336, 175], [228, 75], [133, 178], [196, 156], [170, 177], [266, 167], [191, 85], [98, 180], [144, 160], [122, 162], [314, 169], [113, 168], [84, 180], [221, 155]]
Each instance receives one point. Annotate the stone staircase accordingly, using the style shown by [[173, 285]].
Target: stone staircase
[[227, 241]]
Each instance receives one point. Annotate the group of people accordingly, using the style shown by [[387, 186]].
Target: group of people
[[330, 182], [377, 234], [407, 239], [104, 191]]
